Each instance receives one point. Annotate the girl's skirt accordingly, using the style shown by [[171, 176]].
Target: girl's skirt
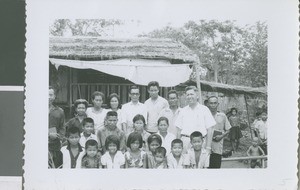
[[235, 133]]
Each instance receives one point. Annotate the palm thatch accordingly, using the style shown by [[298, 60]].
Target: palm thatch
[[228, 89], [92, 48]]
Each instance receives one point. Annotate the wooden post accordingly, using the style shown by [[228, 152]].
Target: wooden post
[[248, 116], [196, 65]]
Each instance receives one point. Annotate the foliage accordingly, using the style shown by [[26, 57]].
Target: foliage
[[232, 54], [83, 27]]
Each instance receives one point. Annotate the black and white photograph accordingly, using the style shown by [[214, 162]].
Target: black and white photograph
[[121, 89], [160, 95]]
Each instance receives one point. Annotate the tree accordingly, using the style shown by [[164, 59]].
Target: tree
[[228, 51], [84, 27]]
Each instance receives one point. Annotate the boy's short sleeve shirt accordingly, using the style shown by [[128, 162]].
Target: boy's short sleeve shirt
[[197, 119], [262, 128], [203, 160], [153, 110], [119, 160], [83, 139], [172, 163]]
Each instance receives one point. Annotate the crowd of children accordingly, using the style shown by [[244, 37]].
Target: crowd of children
[[96, 138]]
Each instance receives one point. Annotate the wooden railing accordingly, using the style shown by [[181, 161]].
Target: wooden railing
[[262, 158]]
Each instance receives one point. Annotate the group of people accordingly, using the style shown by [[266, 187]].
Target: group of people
[[154, 134]]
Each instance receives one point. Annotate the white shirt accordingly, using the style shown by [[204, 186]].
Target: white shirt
[[197, 119], [118, 161], [129, 110], [262, 127], [172, 116], [172, 162], [98, 117], [166, 142], [83, 139], [153, 109]]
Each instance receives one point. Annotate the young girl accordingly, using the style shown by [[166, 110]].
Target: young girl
[[139, 126], [160, 158], [235, 132], [91, 159], [154, 141], [167, 137], [97, 113], [114, 104], [135, 157], [113, 158]]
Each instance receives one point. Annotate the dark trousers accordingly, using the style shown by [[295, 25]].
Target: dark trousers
[[215, 161], [55, 157]]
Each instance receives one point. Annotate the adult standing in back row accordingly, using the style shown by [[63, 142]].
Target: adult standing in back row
[[194, 117], [155, 104], [131, 109]]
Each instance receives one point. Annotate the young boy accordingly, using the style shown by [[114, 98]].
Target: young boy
[[255, 150], [197, 157], [72, 153], [111, 128], [262, 129], [177, 160], [91, 159], [160, 158], [80, 106], [88, 129]]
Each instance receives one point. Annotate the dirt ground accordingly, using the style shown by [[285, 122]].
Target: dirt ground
[[245, 143]]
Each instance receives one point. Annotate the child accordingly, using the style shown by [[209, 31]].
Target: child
[[113, 158], [177, 160], [255, 150], [97, 113], [160, 158], [262, 129], [135, 157], [72, 153], [197, 157], [235, 132], [92, 158], [139, 126], [167, 138], [154, 141], [80, 106], [88, 129], [110, 128]]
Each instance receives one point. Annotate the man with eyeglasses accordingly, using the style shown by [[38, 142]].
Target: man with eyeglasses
[[155, 104], [131, 109]]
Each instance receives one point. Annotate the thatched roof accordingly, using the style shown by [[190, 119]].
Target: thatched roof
[[93, 48], [228, 89]]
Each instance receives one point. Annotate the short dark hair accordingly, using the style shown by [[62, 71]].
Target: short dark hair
[[212, 97], [112, 113], [153, 83], [135, 136], [133, 87], [173, 92], [176, 141], [160, 150], [163, 119], [91, 142], [139, 117], [231, 110], [154, 137], [112, 139], [80, 101], [72, 130], [111, 96], [191, 88], [87, 120], [97, 93], [196, 134]]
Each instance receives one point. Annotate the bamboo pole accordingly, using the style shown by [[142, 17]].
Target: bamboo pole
[[196, 65], [245, 158], [248, 117]]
